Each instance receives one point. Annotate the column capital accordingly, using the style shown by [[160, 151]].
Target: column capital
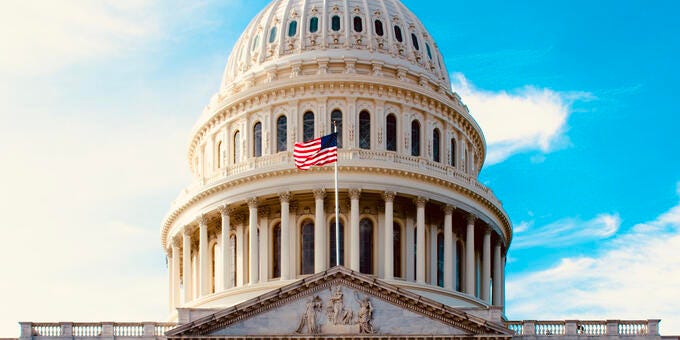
[[388, 196], [202, 219], [188, 230], [471, 218], [354, 193], [319, 193], [448, 209], [252, 202], [225, 210], [420, 201], [285, 196], [176, 242]]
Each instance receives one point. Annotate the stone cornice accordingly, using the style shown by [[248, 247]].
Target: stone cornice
[[494, 207]]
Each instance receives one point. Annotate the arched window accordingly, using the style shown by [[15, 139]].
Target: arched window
[[276, 251], [336, 117], [453, 152], [313, 24], [281, 133], [308, 126], [415, 138], [335, 23], [378, 28], [331, 231], [414, 40], [440, 259], [435, 146], [429, 52], [219, 154], [396, 249], [366, 246], [237, 146], [232, 251], [257, 140], [365, 130], [272, 34], [459, 265], [292, 28], [391, 127], [256, 41], [465, 159], [307, 248], [397, 34], [358, 24]]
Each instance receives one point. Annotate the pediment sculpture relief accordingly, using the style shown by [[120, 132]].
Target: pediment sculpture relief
[[338, 318]]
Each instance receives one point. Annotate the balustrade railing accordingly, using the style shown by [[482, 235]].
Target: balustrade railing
[[160, 329], [515, 326], [128, 329], [93, 330], [591, 328], [87, 329], [584, 328], [550, 328], [633, 327], [46, 329]]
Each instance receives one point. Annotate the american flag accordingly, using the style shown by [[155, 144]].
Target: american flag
[[320, 151]]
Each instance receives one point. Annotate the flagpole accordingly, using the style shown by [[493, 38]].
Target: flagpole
[[337, 211]]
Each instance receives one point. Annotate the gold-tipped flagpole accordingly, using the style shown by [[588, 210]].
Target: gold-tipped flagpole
[[337, 211]]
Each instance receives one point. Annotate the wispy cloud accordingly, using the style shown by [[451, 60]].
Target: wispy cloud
[[527, 119], [566, 232], [635, 277]]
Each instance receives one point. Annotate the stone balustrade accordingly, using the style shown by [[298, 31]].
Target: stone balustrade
[[99, 330], [621, 328]]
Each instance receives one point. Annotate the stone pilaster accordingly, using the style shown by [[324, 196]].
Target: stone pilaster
[[388, 196]]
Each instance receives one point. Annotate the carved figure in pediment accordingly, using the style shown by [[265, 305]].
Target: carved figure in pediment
[[365, 314], [308, 320], [336, 312]]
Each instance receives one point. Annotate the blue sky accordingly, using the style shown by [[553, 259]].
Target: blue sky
[[576, 99]]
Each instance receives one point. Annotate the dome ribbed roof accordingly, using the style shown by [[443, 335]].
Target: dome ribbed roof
[[300, 31]]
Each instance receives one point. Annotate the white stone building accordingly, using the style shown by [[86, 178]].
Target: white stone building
[[251, 244]]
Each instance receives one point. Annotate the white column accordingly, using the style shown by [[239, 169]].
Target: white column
[[187, 275], [226, 247], [240, 254], [203, 269], [354, 229], [496, 296], [470, 256], [486, 266], [420, 239], [264, 243], [285, 249], [175, 273], [319, 231], [389, 234], [410, 265], [449, 256], [253, 274]]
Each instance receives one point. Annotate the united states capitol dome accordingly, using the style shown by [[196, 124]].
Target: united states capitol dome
[[302, 31]]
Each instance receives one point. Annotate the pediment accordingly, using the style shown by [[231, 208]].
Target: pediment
[[339, 302]]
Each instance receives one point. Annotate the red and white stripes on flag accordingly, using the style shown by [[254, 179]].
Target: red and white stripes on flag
[[320, 151]]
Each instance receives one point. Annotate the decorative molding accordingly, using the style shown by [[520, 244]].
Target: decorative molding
[[354, 193], [252, 202], [448, 209], [285, 197], [319, 194], [388, 196], [420, 201]]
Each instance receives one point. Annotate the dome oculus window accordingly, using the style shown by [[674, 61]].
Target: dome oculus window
[[415, 138], [364, 130], [272, 34], [358, 24], [391, 132], [313, 24], [257, 140], [397, 34], [292, 28], [414, 40], [335, 23], [378, 28], [435, 146], [453, 152], [281, 133]]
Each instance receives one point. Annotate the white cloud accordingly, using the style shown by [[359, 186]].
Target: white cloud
[[529, 119], [635, 277], [566, 232]]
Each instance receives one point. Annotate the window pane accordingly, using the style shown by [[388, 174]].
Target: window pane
[[308, 126], [335, 23], [414, 39], [429, 53], [358, 24], [292, 28], [281, 133], [366, 246], [276, 251], [237, 146], [415, 138], [257, 140], [440, 260], [396, 249], [336, 117], [435, 145], [453, 152], [364, 130], [391, 133], [397, 34], [307, 265], [272, 34], [379, 28], [313, 24], [333, 243]]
